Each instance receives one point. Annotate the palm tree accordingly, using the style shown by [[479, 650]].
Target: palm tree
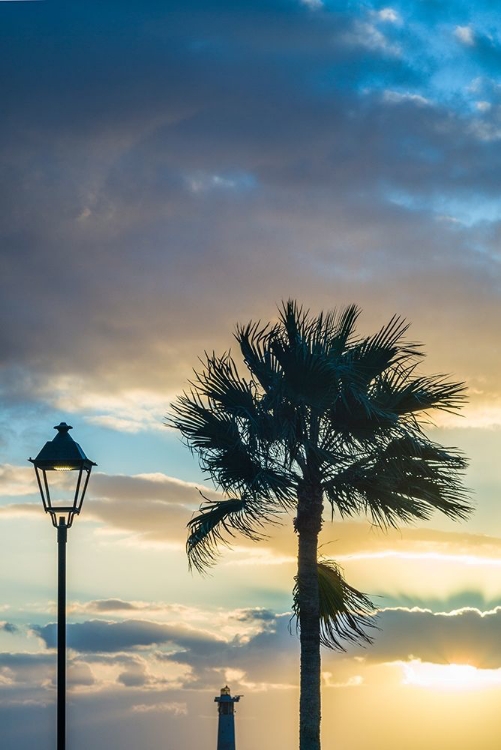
[[323, 415]]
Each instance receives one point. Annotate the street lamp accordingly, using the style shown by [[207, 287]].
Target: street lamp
[[62, 454]]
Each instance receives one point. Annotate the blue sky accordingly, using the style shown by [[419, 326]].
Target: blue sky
[[169, 170]]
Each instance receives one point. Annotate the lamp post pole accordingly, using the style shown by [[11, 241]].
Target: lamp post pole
[[62, 455], [62, 533]]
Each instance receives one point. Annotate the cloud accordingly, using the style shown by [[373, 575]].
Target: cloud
[[151, 507], [155, 487], [80, 675], [354, 681], [177, 709], [134, 676], [239, 624], [156, 507], [465, 35], [464, 636], [17, 480], [257, 648], [388, 14], [349, 541], [109, 605], [246, 615], [396, 97], [151, 672], [102, 636], [29, 676], [31, 671], [129, 410], [8, 627], [366, 34], [293, 160]]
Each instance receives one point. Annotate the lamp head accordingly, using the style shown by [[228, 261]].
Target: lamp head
[[62, 454]]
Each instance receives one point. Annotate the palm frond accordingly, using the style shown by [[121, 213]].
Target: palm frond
[[203, 428], [309, 378], [238, 469], [218, 521], [328, 332], [344, 330], [406, 481], [224, 388], [345, 612], [252, 340], [294, 320], [311, 353], [375, 354], [400, 393], [355, 418]]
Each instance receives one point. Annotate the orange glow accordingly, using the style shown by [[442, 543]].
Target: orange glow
[[423, 556], [449, 677]]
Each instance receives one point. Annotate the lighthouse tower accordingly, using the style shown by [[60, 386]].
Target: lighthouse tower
[[226, 725]]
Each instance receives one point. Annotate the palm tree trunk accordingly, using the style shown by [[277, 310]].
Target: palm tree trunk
[[307, 526]]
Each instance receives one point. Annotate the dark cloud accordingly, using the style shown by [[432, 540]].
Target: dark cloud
[[24, 660], [79, 674], [105, 636], [134, 676], [9, 627], [152, 157], [269, 655], [25, 675], [253, 615], [464, 636], [266, 660]]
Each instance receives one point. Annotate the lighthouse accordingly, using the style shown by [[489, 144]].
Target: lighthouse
[[226, 724]]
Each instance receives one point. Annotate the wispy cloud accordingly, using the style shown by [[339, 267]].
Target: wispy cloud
[[177, 709], [465, 35]]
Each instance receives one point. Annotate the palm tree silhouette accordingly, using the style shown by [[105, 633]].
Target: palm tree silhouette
[[323, 415]]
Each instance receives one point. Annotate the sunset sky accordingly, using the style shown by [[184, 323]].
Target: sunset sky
[[171, 169]]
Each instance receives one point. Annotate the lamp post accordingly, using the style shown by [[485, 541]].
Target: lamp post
[[62, 454]]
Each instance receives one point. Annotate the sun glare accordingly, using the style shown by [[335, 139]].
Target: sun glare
[[449, 677]]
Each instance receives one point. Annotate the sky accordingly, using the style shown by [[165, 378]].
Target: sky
[[170, 169]]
